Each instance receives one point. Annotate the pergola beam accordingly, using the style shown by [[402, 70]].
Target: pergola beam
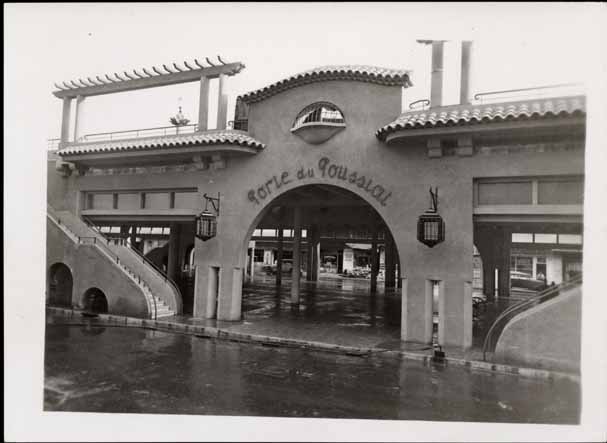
[[164, 77]]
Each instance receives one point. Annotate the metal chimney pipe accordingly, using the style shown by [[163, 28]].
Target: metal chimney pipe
[[436, 84], [465, 96]]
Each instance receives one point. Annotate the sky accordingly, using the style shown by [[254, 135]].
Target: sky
[[515, 46]]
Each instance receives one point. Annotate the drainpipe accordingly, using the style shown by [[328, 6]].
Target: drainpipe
[[465, 97], [436, 85]]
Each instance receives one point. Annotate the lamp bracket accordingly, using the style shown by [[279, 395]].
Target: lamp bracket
[[433, 200], [215, 202]]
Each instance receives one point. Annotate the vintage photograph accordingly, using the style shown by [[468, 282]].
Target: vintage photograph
[[310, 210]]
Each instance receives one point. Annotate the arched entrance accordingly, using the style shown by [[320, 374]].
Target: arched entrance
[[94, 300], [60, 283], [325, 251]]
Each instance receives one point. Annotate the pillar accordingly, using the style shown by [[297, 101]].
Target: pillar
[[455, 313], [503, 262], [310, 254], [222, 104], [340, 261], [252, 263], [489, 275], [133, 239], [296, 254], [416, 310], [79, 118], [374, 261], [465, 73], [203, 105], [173, 262], [486, 241], [279, 255], [390, 262], [65, 119], [315, 253]]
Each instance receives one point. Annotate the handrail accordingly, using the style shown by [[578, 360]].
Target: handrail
[[424, 100], [124, 242], [116, 135], [79, 240], [561, 85], [504, 318]]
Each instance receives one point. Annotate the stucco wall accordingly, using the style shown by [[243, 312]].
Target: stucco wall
[[547, 336], [405, 173], [90, 269]]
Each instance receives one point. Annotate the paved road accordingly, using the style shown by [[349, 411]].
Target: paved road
[[113, 369]]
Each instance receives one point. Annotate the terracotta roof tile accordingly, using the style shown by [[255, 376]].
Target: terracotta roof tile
[[220, 137], [459, 115], [371, 74]]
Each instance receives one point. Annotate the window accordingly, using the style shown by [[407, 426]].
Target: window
[[321, 112]]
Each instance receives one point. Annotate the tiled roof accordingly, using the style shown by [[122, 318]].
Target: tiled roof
[[371, 74], [460, 115], [220, 137]]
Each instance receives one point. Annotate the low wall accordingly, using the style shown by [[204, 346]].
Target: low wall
[[547, 336], [91, 269]]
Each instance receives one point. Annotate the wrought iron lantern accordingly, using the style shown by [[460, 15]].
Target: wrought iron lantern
[[430, 225], [206, 221]]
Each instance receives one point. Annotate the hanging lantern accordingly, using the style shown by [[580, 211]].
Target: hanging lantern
[[206, 225], [206, 222], [430, 225]]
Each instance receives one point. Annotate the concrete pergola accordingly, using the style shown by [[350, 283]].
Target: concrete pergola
[[144, 79]]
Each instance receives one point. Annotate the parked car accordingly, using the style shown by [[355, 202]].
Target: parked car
[[287, 268], [526, 281]]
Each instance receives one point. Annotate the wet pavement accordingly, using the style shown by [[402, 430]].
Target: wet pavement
[[92, 368], [342, 311]]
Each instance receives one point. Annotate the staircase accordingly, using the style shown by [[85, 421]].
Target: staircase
[[500, 323], [162, 295]]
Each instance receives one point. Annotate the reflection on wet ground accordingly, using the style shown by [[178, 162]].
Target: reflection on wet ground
[[114, 369], [339, 307]]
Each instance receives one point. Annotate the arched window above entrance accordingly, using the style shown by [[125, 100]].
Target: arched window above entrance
[[318, 122]]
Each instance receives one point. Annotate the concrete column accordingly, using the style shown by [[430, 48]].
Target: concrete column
[[390, 262], [65, 119], [315, 253], [279, 255], [222, 104], [503, 265], [340, 261], [296, 255], [455, 313], [203, 105], [374, 261], [252, 263], [465, 96], [133, 236], [173, 262], [416, 311], [79, 118], [489, 275], [310, 253]]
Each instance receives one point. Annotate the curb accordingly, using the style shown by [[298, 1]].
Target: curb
[[223, 334]]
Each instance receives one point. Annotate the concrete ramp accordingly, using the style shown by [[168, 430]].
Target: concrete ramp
[[547, 336]]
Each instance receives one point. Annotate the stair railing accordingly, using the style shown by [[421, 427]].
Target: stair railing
[[144, 259], [84, 240], [498, 326]]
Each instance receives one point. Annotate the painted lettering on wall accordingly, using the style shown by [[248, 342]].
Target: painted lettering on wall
[[325, 169]]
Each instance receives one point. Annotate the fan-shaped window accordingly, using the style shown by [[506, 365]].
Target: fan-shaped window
[[319, 113], [318, 122]]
